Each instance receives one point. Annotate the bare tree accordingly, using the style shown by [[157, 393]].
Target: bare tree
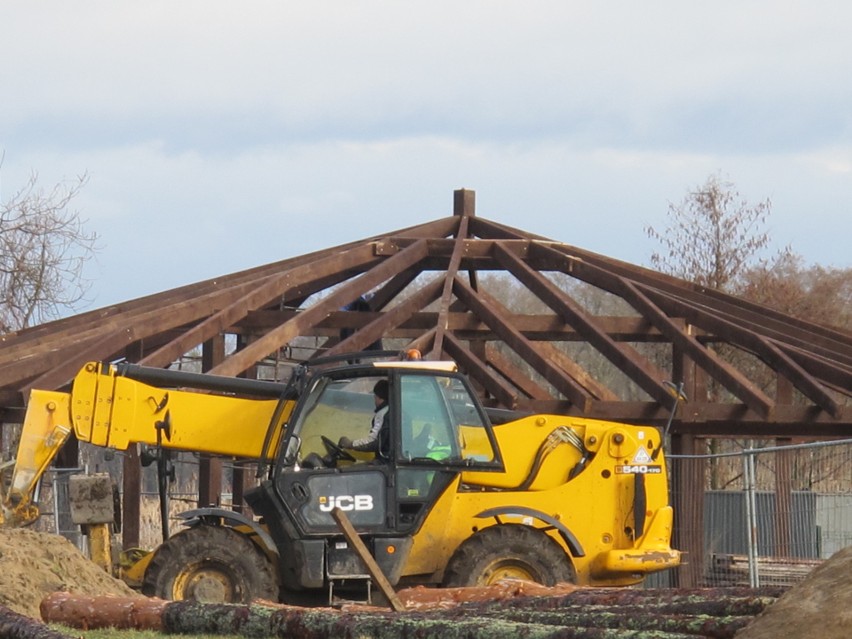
[[814, 293], [713, 235], [43, 248]]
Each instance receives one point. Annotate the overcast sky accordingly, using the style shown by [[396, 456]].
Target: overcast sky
[[219, 136]]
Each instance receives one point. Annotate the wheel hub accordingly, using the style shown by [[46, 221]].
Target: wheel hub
[[206, 584], [507, 569]]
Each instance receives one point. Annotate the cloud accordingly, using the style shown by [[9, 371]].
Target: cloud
[[219, 136]]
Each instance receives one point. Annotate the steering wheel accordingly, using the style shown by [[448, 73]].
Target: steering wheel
[[335, 451]]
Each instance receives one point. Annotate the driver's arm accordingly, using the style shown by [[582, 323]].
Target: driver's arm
[[370, 443]]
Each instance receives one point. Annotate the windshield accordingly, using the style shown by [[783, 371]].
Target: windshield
[[334, 408]]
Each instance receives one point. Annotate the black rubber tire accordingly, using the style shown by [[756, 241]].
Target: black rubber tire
[[508, 551], [210, 564]]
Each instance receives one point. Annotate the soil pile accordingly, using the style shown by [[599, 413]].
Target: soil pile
[[34, 564], [817, 607]]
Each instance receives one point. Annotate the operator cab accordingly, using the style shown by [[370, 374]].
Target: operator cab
[[436, 430], [433, 420]]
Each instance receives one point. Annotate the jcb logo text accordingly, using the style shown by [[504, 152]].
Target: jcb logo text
[[346, 502]]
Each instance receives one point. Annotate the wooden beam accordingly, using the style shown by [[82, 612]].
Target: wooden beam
[[768, 351], [478, 370], [281, 335], [359, 257], [131, 515], [388, 320], [487, 309], [507, 369], [787, 366], [467, 326], [647, 376], [373, 568], [464, 203], [836, 376], [759, 318], [577, 372], [393, 288], [452, 269], [728, 376]]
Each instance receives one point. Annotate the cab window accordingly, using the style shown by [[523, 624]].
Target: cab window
[[335, 407], [440, 421]]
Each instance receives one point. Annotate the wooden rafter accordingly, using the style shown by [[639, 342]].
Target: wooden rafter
[[268, 306]]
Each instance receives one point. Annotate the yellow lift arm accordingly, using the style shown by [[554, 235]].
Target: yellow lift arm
[[109, 407]]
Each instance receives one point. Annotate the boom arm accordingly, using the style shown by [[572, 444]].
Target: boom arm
[[105, 408]]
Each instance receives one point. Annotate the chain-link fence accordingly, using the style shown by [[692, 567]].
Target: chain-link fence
[[766, 515]]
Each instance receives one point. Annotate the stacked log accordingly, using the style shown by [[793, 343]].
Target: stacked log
[[14, 625], [582, 614]]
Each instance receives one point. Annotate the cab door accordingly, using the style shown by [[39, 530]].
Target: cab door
[[441, 430]]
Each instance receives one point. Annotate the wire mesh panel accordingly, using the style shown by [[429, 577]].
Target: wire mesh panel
[[765, 515]]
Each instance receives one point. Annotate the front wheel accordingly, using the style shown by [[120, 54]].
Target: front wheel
[[508, 552], [210, 564]]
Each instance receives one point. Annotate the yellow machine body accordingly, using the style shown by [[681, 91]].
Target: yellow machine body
[[595, 490]]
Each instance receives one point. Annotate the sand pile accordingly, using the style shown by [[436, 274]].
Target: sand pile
[[817, 607], [34, 564]]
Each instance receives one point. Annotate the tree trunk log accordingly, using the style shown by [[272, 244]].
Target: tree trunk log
[[17, 626], [582, 614]]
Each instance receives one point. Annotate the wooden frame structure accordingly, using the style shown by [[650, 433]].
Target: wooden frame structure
[[791, 377]]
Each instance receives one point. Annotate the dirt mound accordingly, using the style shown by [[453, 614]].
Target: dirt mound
[[34, 564], [817, 607]]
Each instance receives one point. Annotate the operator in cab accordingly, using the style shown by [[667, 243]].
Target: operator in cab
[[378, 439]]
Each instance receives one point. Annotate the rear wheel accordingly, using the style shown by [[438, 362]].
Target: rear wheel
[[509, 552], [210, 564]]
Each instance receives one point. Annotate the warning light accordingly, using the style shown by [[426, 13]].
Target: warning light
[[413, 355], [391, 550]]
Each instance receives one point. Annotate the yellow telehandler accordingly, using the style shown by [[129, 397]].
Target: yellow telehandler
[[458, 495]]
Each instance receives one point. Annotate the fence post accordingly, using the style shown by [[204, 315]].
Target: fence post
[[749, 481]]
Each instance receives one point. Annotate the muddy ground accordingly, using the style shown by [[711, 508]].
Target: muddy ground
[[34, 564]]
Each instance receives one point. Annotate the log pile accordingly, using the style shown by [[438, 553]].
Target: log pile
[[581, 614]]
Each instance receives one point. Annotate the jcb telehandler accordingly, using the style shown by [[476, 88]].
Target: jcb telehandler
[[455, 499]]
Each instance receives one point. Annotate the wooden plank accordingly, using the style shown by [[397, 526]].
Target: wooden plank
[[359, 257], [388, 320], [489, 310], [131, 516], [393, 288], [647, 376], [766, 350], [467, 326], [761, 319], [476, 369], [373, 568], [507, 369], [452, 269], [281, 335]]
